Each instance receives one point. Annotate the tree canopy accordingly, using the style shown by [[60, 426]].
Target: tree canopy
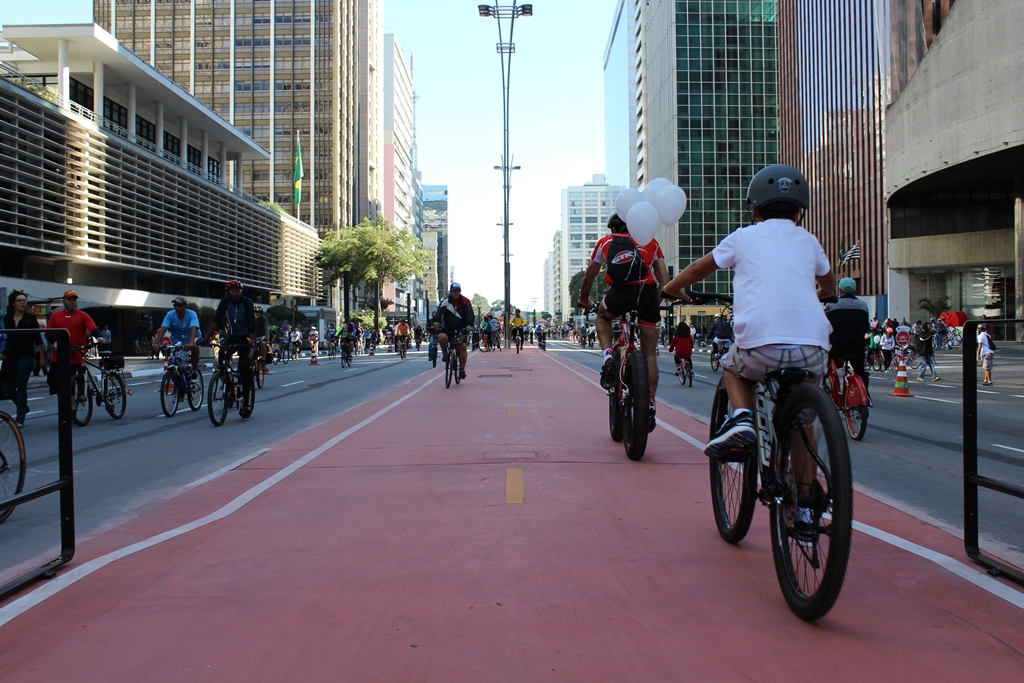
[[597, 291], [480, 306]]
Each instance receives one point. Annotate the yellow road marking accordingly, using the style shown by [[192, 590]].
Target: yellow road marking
[[510, 392], [514, 491], [512, 413]]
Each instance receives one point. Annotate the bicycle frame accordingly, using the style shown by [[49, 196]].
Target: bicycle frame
[[626, 340]]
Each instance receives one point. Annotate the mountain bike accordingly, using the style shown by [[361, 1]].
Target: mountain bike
[[180, 382], [12, 461], [109, 392], [850, 397], [225, 389], [452, 366], [684, 371], [518, 334], [259, 362], [432, 349], [718, 352], [402, 346], [332, 347], [282, 353], [874, 360], [629, 399], [802, 425], [346, 351]]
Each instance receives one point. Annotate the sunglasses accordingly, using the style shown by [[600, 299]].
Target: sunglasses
[[179, 305], [71, 298]]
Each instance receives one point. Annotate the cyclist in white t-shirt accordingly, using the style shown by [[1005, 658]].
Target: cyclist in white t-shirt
[[779, 320]]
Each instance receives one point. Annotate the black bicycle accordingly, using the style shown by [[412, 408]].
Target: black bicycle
[[629, 397], [718, 352], [684, 371], [452, 366], [802, 463], [517, 332], [347, 344], [109, 391], [180, 382], [226, 390], [12, 461]]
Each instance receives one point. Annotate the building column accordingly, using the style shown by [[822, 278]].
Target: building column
[[204, 153], [237, 181], [160, 127], [1018, 250], [183, 134], [97, 88], [63, 70], [132, 111], [222, 157]]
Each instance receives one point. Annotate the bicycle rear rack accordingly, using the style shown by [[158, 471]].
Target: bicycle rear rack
[[972, 480], [64, 485]]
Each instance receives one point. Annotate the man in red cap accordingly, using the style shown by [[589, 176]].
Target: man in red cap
[[79, 325]]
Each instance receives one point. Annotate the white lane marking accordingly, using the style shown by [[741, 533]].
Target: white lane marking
[[38, 398], [701, 376], [1014, 395], [944, 386], [224, 470], [139, 384], [62, 581], [982, 391], [943, 400], [292, 383], [983, 581], [1009, 448]]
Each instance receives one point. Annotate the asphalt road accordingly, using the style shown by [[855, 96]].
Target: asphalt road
[[123, 464], [911, 455]]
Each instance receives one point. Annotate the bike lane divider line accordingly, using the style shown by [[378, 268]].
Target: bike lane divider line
[[1009, 448], [979, 579], [291, 384], [940, 400], [73, 576]]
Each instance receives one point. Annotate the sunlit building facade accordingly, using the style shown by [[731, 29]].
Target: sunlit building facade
[[620, 99]]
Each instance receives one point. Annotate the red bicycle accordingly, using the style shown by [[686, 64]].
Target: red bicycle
[[629, 400], [850, 396]]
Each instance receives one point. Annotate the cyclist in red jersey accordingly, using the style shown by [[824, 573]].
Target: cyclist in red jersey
[[80, 327], [642, 294]]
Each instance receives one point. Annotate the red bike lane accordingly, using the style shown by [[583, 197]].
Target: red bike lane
[[491, 532]]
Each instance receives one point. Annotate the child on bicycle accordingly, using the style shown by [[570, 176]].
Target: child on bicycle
[[776, 263], [681, 346]]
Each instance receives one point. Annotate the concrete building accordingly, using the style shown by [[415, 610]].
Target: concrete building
[[585, 212], [397, 179], [435, 220], [955, 156], [370, 114], [116, 182], [553, 276], [620, 134]]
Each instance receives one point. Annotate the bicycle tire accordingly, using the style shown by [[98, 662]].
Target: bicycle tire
[[681, 374], [12, 464], [286, 356], [716, 361], [115, 395], [636, 410], [857, 422], [810, 591], [733, 484], [81, 399], [252, 403], [689, 374], [216, 399], [169, 392], [448, 371], [195, 390], [257, 373], [457, 371], [614, 419], [276, 357]]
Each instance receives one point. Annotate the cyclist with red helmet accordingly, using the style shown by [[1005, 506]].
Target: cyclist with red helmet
[[238, 313]]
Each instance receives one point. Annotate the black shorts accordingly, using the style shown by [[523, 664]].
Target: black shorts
[[643, 298]]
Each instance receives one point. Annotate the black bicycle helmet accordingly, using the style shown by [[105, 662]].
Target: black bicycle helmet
[[778, 183]]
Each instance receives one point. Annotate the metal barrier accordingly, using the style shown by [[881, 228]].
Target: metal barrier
[[65, 480], [972, 480]]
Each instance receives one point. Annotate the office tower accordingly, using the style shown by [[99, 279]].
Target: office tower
[[708, 95], [286, 72], [435, 220], [585, 212], [620, 71]]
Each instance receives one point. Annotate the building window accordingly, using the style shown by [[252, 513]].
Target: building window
[[591, 219], [172, 144], [195, 156], [115, 113], [80, 93], [213, 167], [145, 130], [576, 219]]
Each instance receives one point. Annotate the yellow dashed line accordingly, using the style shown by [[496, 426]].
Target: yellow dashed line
[[512, 413], [514, 491]]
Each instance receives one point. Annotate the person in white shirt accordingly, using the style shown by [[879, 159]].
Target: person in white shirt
[[986, 352], [887, 343]]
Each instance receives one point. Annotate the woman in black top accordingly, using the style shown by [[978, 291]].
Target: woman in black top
[[20, 353]]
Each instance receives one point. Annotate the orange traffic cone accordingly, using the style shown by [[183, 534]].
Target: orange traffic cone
[[312, 353], [901, 388]]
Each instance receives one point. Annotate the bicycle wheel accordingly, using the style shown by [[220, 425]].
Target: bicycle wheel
[[636, 410], [681, 374], [733, 484], [286, 356], [216, 399], [169, 392], [12, 461], [81, 400], [195, 390], [811, 558], [115, 395], [689, 373], [277, 356], [614, 418], [457, 371], [716, 360], [257, 372], [857, 422], [448, 371]]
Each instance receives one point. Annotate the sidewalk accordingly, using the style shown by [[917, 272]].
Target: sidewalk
[[493, 532]]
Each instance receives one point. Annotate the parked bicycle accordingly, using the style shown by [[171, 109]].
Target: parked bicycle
[[850, 397], [109, 391], [802, 462], [180, 381], [225, 391], [12, 461]]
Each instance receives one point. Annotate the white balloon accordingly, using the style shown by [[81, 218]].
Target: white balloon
[[625, 201], [642, 223], [652, 189], [671, 204]]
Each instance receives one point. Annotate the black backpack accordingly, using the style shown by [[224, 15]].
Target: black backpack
[[625, 262]]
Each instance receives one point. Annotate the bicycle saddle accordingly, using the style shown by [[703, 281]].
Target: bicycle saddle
[[105, 353], [789, 375]]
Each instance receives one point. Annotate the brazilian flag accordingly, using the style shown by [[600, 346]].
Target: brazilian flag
[[299, 174]]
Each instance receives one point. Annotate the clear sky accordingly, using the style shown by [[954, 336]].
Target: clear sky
[[557, 132]]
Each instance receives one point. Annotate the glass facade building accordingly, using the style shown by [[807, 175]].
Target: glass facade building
[[727, 116], [619, 100]]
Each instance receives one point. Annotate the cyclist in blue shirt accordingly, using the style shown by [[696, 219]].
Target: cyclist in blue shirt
[[183, 324]]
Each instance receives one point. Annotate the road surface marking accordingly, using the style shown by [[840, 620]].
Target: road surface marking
[[63, 580], [1014, 395], [512, 413], [701, 376], [38, 398], [943, 400], [1009, 448], [944, 386], [510, 392], [966, 572], [514, 491], [292, 383]]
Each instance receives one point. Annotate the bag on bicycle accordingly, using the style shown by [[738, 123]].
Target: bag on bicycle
[[113, 362], [625, 262], [857, 392]]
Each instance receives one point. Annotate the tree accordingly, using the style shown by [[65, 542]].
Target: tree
[[375, 252], [480, 306], [597, 291], [282, 314], [935, 308]]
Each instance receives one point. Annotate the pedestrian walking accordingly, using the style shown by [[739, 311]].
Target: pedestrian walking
[[926, 350], [20, 353], [887, 344], [986, 352]]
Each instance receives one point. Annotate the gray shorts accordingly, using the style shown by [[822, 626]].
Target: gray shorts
[[755, 364], [986, 361]]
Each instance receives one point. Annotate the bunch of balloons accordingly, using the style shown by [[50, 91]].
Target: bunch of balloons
[[660, 202]]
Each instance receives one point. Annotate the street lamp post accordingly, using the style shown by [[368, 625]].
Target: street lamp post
[[511, 13]]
